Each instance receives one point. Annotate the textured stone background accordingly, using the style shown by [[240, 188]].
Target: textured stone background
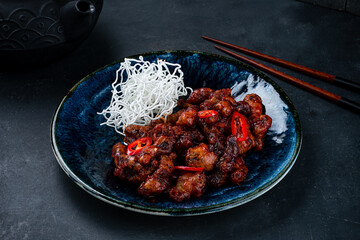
[[351, 6], [318, 199]]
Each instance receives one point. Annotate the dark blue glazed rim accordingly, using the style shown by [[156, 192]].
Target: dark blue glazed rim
[[83, 148]]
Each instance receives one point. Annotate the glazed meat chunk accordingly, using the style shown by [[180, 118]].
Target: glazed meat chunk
[[134, 169], [199, 95], [214, 98], [221, 94], [183, 104], [117, 150], [219, 176], [172, 118], [255, 103], [225, 165], [164, 144], [249, 141], [239, 171], [183, 143], [243, 108], [189, 117], [159, 181], [189, 184], [200, 156], [224, 108], [192, 133], [259, 124], [216, 140], [224, 125], [147, 154], [232, 147], [134, 132], [186, 138], [161, 129]]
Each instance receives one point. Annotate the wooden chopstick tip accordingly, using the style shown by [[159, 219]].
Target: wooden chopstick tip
[[209, 38]]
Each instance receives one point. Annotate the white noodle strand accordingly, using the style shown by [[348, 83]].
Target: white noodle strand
[[143, 91]]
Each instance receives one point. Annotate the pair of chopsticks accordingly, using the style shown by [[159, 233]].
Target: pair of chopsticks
[[297, 82]]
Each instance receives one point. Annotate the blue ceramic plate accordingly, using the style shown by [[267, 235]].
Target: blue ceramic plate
[[83, 147]]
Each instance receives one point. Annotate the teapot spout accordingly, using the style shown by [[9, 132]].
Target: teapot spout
[[84, 7], [78, 18]]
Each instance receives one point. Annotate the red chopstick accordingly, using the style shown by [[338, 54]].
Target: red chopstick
[[299, 68], [304, 85]]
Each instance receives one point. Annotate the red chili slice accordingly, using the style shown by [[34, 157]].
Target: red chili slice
[[207, 113], [192, 169], [234, 126], [138, 144]]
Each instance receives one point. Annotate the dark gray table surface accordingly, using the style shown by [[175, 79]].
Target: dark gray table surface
[[318, 199]]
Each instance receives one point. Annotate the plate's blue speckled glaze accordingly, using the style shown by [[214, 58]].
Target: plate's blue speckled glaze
[[83, 147]]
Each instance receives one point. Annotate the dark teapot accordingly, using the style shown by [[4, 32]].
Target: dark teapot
[[39, 31]]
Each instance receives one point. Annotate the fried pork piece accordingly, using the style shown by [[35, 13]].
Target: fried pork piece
[[183, 143], [183, 104], [186, 138], [214, 134], [134, 169], [134, 132], [232, 147], [239, 171], [221, 93], [155, 122], [224, 108], [212, 119], [161, 129], [243, 108], [224, 125], [231, 165], [217, 141], [200, 156], [219, 176], [199, 95], [164, 144], [247, 144], [259, 124], [189, 184], [193, 133], [147, 154], [172, 118], [189, 117], [216, 97], [225, 165], [196, 135], [230, 100], [255, 103], [130, 169], [117, 150], [159, 181]]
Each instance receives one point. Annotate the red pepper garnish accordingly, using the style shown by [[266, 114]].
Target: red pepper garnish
[[192, 169], [207, 113], [235, 125], [140, 144]]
